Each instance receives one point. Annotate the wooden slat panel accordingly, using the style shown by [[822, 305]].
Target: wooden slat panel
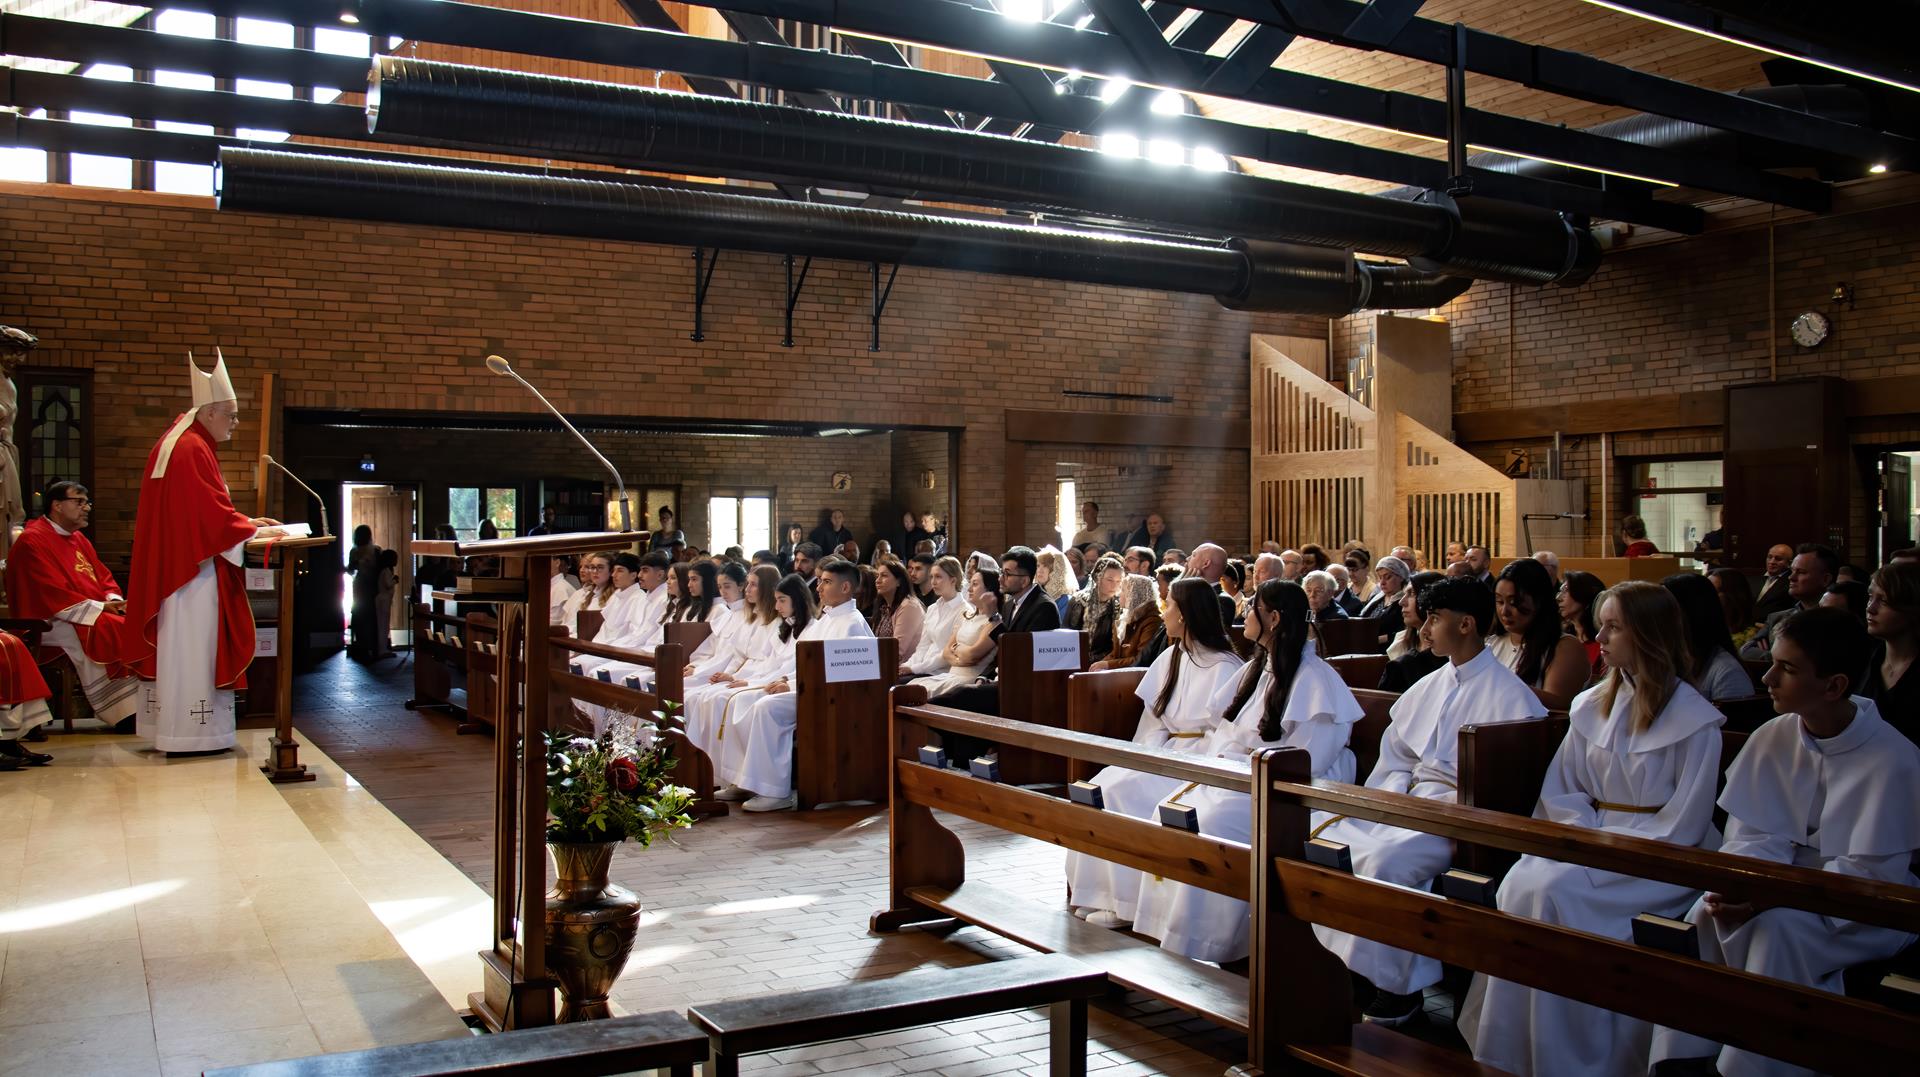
[[1787, 1021], [1184, 766]]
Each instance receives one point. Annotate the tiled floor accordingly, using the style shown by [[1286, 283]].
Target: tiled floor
[[162, 916], [752, 904]]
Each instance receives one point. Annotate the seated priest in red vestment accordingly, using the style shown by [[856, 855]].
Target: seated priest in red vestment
[[189, 630], [23, 703], [54, 575]]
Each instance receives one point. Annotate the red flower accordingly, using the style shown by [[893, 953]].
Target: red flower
[[624, 776]]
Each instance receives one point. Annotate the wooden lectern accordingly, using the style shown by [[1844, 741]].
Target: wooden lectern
[[517, 991], [283, 752]]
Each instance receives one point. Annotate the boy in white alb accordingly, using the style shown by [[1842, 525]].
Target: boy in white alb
[[1828, 785], [1419, 756], [766, 729]]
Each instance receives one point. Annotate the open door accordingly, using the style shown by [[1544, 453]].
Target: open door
[[388, 510], [1896, 503]]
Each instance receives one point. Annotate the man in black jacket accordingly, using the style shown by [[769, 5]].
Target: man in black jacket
[[1023, 608]]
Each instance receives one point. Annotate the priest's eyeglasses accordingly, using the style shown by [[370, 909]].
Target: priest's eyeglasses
[[84, 502]]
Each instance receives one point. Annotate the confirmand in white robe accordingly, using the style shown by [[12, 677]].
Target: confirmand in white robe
[[1319, 717], [181, 711], [1183, 727], [775, 661], [623, 621], [559, 591], [762, 755], [705, 701], [1419, 755], [1605, 776], [1846, 804], [930, 656], [721, 620]]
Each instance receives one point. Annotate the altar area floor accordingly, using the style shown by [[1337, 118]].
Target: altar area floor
[[162, 916]]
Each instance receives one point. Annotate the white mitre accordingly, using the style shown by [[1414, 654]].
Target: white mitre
[[208, 388]]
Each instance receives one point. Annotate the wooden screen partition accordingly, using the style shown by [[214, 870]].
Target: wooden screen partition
[[1315, 456], [840, 734], [1104, 704], [1040, 698], [1447, 495]]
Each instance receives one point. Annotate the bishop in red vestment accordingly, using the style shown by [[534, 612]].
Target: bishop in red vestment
[[189, 630], [54, 575]]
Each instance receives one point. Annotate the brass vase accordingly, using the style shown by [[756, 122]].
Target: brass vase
[[590, 927]]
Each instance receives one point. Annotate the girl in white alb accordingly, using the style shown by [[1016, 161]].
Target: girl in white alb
[[794, 603], [950, 601], [709, 682], [1641, 757], [1292, 699], [1178, 690]]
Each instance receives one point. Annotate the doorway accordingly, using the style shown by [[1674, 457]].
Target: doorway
[[389, 512]]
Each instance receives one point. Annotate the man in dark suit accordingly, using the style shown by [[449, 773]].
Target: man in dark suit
[[1023, 608], [1773, 596], [1809, 575]]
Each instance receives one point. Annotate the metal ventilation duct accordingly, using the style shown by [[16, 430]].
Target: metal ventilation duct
[[1261, 276], [481, 108]]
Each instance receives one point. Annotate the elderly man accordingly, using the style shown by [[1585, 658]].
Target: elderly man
[[1266, 567], [1552, 562], [1208, 562], [1410, 556], [1773, 595], [1321, 588], [1345, 597], [1291, 565], [1814, 567]]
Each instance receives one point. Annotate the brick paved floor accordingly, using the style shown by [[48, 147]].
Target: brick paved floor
[[752, 904]]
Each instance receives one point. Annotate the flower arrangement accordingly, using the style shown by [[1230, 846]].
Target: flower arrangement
[[613, 786]]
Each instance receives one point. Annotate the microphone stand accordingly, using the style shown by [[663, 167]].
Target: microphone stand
[[500, 366], [321, 501]]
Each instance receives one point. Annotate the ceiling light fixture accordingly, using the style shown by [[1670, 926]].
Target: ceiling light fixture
[[1169, 103], [1878, 168]]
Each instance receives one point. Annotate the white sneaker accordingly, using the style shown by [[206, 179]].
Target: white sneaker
[[1108, 918], [785, 803], [733, 793]]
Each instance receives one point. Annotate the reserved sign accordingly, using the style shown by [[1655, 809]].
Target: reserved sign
[[259, 579], [1056, 650], [266, 642], [852, 659]]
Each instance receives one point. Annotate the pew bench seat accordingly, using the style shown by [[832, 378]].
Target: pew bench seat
[[643, 1041], [1383, 1052], [747, 1026], [1200, 989]]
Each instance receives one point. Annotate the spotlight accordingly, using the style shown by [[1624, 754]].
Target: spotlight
[[1209, 160], [1878, 168], [1120, 145], [1163, 151], [1169, 103], [350, 18], [1114, 89], [1021, 10]]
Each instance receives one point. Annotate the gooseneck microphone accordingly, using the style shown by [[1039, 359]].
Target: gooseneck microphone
[[316, 497], [502, 367]]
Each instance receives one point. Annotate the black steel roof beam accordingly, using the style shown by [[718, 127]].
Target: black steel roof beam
[[489, 28], [886, 52], [959, 26], [1575, 75], [759, 30], [652, 15], [1127, 22], [145, 50], [218, 108], [1380, 21], [1895, 29], [1249, 61]]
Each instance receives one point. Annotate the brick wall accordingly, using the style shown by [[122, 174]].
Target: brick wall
[[351, 315]]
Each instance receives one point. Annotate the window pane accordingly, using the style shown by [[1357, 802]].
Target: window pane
[[756, 524], [502, 505], [184, 80], [723, 522], [173, 177], [264, 32], [23, 164], [1064, 516], [339, 42], [463, 512], [92, 170]]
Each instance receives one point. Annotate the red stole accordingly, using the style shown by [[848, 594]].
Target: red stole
[[48, 572], [185, 517]]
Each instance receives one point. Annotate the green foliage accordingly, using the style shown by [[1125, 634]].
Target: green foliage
[[613, 786]]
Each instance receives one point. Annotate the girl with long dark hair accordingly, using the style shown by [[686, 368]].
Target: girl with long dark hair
[[1529, 641], [1713, 666], [1287, 697], [1178, 691]]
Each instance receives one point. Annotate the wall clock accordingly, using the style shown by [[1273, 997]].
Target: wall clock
[[1810, 329]]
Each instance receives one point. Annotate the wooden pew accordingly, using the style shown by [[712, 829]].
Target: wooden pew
[[1302, 994], [644, 1041], [481, 639], [1365, 738], [439, 657], [840, 732], [1027, 696], [692, 767], [927, 865], [1348, 636], [926, 997], [1102, 703], [1359, 670], [1747, 713]]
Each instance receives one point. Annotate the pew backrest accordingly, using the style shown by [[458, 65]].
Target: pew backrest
[[1365, 738], [1747, 713], [840, 731], [1359, 670], [1102, 702], [1349, 635], [589, 622], [1038, 696]]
